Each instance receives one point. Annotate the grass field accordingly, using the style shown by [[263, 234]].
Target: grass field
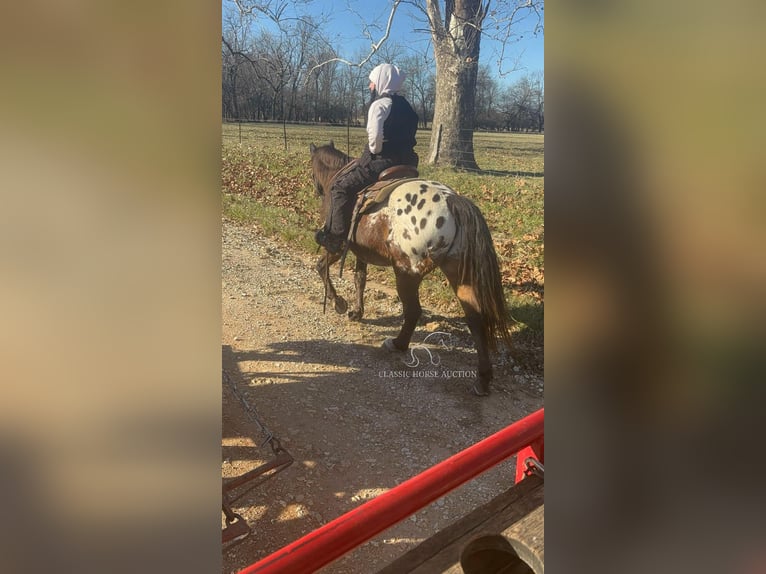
[[266, 178]]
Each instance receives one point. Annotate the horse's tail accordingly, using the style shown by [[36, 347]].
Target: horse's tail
[[479, 268]]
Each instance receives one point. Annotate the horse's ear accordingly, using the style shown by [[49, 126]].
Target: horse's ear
[[312, 147], [332, 144]]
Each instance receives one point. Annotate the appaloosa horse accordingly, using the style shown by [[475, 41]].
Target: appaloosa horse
[[422, 225]]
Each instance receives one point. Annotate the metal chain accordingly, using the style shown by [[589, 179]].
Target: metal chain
[[270, 439], [237, 528]]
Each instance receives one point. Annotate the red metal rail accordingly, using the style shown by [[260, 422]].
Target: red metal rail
[[334, 539]]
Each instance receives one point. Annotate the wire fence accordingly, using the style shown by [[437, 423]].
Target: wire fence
[[500, 153]]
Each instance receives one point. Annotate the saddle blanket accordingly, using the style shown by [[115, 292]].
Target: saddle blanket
[[377, 193]]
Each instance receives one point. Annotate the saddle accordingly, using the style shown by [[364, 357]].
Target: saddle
[[377, 194], [398, 172]]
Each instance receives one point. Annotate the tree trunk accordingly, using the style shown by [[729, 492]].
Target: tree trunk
[[456, 48], [453, 123]]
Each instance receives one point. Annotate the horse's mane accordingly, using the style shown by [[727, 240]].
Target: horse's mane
[[327, 161]]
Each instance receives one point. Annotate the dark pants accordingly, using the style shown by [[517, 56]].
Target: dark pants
[[347, 187]]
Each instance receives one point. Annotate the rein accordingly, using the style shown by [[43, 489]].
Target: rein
[[352, 230], [326, 279]]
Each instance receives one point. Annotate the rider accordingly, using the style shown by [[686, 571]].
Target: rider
[[391, 127]]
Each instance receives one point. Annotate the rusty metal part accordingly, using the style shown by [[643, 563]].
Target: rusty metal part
[[237, 528], [282, 460]]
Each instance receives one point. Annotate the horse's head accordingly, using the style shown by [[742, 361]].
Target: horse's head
[[326, 161]]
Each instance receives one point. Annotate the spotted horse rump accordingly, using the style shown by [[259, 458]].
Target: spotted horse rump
[[422, 226]]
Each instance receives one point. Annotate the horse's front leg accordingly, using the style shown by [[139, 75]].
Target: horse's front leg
[[323, 268], [360, 281]]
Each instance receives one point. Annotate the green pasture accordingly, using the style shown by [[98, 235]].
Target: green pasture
[[266, 179]]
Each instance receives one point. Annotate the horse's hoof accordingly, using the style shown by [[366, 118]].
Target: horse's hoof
[[355, 315], [388, 345], [340, 305], [480, 389]]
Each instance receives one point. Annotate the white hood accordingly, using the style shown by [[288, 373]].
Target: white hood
[[387, 78]]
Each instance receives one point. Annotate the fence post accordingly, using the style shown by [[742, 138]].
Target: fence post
[[284, 131], [240, 131]]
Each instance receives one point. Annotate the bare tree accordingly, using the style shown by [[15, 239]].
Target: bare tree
[[456, 35], [537, 81], [522, 104], [456, 30], [277, 60], [352, 88], [273, 10], [421, 83], [302, 41], [235, 37], [487, 93]]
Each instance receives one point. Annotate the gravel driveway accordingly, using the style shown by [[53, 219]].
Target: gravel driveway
[[357, 419]]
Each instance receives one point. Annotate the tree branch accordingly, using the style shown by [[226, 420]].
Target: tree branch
[[373, 48], [504, 29], [438, 29], [264, 8], [237, 52], [273, 10]]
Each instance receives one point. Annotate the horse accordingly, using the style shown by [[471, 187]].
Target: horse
[[421, 226]]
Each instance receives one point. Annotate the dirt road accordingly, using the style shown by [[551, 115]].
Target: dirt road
[[355, 421]]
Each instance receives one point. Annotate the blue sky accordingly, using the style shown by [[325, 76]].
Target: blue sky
[[345, 31]]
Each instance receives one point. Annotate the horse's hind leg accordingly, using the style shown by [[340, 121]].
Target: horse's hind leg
[[407, 286], [473, 317], [360, 282], [323, 268]]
